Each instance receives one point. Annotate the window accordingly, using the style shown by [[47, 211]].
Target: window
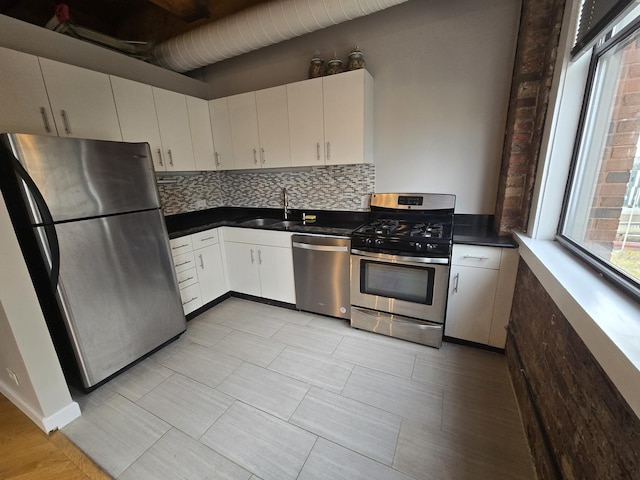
[[601, 214]]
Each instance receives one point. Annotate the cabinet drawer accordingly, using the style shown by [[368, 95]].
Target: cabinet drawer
[[181, 245], [187, 278], [476, 256], [204, 239], [183, 262], [191, 298]]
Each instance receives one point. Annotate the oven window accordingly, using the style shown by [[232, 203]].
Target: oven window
[[401, 282]]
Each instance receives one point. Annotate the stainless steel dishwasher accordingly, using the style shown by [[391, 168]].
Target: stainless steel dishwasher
[[321, 268]]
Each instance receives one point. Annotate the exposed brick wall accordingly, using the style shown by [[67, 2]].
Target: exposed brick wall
[[536, 53], [590, 430], [618, 153]]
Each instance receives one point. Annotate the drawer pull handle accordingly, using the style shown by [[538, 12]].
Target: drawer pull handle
[[160, 158], [201, 262], [455, 283], [186, 280], [216, 155], [260, 257], [189, 301], [474, 257], [255, 156], [252, 259], [207, 238], [183, 263], [318, 151], [170, 157], [180, 246]]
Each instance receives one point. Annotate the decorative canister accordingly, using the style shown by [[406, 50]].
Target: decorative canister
[[316, 67], [335, 65], [356, 59]]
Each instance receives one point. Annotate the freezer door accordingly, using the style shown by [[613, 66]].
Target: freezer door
[[118, 291], [87, 178]]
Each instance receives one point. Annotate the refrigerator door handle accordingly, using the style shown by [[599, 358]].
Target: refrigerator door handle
[[47, 221]]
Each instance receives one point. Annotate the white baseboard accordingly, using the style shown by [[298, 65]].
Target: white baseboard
[[56, 421]]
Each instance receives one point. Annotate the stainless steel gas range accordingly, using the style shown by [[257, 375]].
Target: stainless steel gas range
[[400, 264]]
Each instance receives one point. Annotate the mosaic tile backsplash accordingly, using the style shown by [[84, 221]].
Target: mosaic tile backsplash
[[338, 187]]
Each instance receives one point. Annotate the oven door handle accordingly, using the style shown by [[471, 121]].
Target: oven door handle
[[400, 258]]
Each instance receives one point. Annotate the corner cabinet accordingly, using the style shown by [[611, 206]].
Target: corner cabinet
[[260, 263], [137, 113], [480, 293], [173, 120]]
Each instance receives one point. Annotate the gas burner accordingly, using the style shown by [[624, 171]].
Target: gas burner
[[427, 230]]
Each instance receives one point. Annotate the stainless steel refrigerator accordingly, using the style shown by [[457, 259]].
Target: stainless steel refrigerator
[[88, 218]]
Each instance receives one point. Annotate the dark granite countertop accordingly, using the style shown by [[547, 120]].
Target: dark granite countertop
[[328, 222], [478, 230], [468, 229]]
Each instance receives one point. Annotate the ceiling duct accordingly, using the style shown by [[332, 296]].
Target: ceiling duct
[[257, 27]]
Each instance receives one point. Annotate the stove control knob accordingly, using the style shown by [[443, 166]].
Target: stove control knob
[[431, 246], [418, 246], [368, 242], [379, 242]]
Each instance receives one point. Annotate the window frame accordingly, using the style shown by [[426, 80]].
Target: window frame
[[604, 268]]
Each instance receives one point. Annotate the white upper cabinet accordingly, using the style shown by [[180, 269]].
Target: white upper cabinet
[[348, 117], [243, 118], [23, 97], [221, 130], [137, 114], [201, 139], [273, 127], [306, 122], [81, 100], [175, 133]]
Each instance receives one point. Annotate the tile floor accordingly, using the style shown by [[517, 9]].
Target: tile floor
[[252, 391]]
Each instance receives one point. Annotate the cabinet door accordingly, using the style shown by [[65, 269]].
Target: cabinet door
[[210, 272], [243, 118], [276, 273], [221, 129], [242, 261], [81, 100], [201, 139], [470, 306], [173, 121], [273, 127], [306, 122], [137, 114], [348, 117], [23, 97]]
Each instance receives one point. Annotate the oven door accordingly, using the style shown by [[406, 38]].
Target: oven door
[[399, 285]]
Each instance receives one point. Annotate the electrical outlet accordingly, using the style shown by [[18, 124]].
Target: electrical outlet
[[13, 376], [201, 204]]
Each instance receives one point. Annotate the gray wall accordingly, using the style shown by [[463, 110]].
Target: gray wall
[[442, 75]]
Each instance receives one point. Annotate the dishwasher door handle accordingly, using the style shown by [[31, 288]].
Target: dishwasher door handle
[[321, 248]]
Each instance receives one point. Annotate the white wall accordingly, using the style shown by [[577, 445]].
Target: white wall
[[25, 345], [442, 75]]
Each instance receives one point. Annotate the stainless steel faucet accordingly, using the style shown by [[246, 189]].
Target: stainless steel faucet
[[285, 201]]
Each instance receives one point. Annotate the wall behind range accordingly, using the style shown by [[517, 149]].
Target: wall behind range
[[442, 75], [340, 187]]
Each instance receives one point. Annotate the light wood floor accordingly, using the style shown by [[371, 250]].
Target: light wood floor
[[26, 452]]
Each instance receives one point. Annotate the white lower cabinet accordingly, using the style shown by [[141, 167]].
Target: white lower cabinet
[[480, 293], [199, 269], [260, 263]]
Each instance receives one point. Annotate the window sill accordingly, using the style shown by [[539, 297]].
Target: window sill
[[606, 320]]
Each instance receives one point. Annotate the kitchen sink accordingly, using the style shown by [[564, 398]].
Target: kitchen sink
[[260, 222], [286, 223]]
